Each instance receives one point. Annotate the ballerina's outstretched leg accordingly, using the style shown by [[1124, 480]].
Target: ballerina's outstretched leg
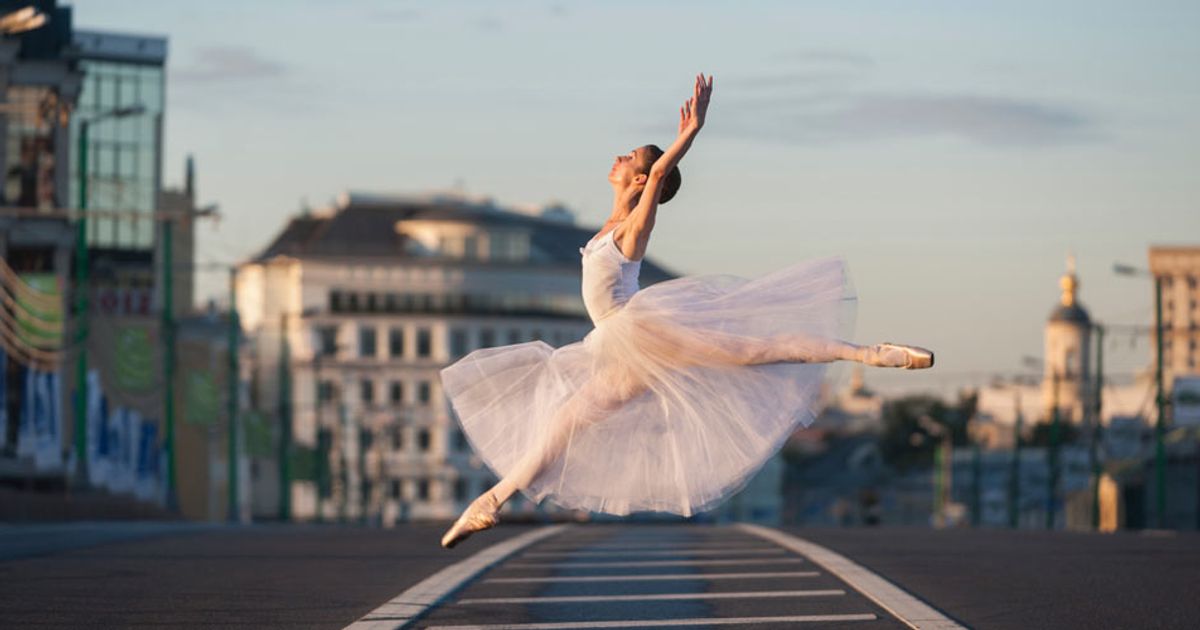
[[603, 394]]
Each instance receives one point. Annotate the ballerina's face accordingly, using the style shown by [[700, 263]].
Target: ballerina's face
[[628, 169]]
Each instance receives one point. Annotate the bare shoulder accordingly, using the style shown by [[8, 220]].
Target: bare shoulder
[[632, 240]]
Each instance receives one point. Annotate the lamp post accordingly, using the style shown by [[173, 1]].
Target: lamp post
[[1014, 479], [1093, 453], [1160, 397], [81, 283]]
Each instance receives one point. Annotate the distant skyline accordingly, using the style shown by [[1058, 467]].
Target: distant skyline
[[953, 153]]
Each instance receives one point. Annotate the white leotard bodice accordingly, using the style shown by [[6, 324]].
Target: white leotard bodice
[[609, 278]]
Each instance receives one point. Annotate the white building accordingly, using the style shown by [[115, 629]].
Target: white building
[[1068, 364], [370, 300], [1179, 269]]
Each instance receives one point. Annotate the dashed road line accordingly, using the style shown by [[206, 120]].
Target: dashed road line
[[651, 563], [665, 623], [654, 577], [651, 554], [653, 597]]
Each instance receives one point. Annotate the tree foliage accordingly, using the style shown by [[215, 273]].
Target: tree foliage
[[912, 427]]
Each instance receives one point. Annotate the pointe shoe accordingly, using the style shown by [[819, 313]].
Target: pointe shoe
[[480, 515], [888, 354]]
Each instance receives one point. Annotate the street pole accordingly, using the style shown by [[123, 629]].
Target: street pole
[[1096, 427], [1052, 458], [81, 310], [976, 484], [939, 481], [1160, 455], [285, 425], [233, 385], [1014, 478], [168, 326]]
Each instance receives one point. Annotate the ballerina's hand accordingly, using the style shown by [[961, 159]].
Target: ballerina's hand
[[691, 115]]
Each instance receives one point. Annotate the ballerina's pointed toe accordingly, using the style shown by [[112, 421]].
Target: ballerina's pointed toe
[[480, 515], [916, 358]]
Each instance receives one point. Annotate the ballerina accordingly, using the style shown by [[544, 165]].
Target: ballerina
[[680, 392]]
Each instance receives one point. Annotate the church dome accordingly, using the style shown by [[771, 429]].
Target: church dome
[[1073, 313], [1068, 309]]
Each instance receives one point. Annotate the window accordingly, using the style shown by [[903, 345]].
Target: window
[[397, 438], [366, 390], [460, 489], [424, 343], [458, 343], [324, 391], [327, 340], [460, 441], [537, 334], [423, 489], [397, 393], [396, 342], [514, 336], [423, 440], [372, 303], [396, 489], [424, 393], [487, 338], [366, 341]]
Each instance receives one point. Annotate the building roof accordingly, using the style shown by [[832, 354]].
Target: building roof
[[364, 226], [150, 50]]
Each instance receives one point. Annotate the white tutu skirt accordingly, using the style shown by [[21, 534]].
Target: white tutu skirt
[[655, 410]]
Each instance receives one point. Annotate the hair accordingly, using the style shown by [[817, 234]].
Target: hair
[[673, 180]]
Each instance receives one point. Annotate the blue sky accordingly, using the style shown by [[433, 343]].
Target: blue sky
[[952, 152]]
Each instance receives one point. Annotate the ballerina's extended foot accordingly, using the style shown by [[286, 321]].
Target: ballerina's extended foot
[[889, 354], [480, 515]]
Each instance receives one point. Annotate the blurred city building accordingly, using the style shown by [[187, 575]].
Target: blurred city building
[[39, 85], [1179, 270], [352, 311], [81, 120]]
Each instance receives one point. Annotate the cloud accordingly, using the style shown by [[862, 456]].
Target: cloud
[[819, 57], [989, 120], [487, 23], [391, 13], [228, 63]]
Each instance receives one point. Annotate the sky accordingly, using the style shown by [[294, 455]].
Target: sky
[[952, 153]]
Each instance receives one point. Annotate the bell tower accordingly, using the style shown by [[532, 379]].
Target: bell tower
[[1067, 371]]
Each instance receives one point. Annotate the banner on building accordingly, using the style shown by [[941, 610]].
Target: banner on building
[[126, 381]]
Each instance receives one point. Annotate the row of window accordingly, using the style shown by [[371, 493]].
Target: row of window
[[327, 390], [458, 344], [454, 303]]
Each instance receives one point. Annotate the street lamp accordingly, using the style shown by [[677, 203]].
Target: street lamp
[[21, 20], [81, 301], [1160, 455]]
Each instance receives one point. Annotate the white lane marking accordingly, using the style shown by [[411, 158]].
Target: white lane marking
[[412, 603], [609, 544], [665, 623], [564, 599], [680, 552], [713, 545], [649, 563], [904, 606], [652, 577]]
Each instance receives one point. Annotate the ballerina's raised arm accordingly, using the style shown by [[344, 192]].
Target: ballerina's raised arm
[[691, 120]]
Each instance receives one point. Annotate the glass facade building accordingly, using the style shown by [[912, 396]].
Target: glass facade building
[[124, 154]]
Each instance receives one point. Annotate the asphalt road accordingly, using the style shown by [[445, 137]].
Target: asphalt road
[[277, 576]]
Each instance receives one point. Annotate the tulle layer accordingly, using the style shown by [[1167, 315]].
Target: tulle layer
[[656, 408]]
